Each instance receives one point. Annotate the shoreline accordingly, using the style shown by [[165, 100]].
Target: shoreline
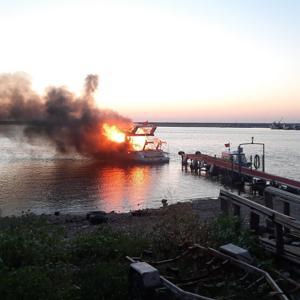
[[171, 124], [139, 220]]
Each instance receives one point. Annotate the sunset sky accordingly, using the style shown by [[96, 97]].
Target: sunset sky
[[176, 60]]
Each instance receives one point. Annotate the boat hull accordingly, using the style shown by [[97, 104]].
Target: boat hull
[[148, 157]]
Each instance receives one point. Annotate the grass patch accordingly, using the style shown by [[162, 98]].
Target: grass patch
[[37, 261]]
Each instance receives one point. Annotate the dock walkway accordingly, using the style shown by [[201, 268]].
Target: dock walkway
[[200, 159]]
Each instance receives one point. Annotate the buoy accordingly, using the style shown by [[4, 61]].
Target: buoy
[[256, 161]]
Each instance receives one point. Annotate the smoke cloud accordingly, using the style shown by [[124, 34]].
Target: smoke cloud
[[71, 123]]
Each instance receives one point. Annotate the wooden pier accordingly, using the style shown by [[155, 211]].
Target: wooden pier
[[215, 165]]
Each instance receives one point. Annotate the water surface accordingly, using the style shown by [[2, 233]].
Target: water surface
[[35, 178]]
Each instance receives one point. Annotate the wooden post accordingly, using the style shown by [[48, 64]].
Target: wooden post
[[269, 204], [224, 206], [268, 200], [279, 239], [236, 210], [254, 222], [286, 211], [286, 208], [186, 165]]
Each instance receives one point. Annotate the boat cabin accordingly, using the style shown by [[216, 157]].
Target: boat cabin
[[234, 157], [141, 136], [145, 147]]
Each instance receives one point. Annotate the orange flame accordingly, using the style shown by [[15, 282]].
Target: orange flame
[[137, 142], [113, 133]]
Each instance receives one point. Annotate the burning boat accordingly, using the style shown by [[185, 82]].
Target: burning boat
[[141, 146], [145, 147]]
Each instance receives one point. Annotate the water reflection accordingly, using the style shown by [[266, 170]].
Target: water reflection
[[75, 186], [34, 177], [124, 187]]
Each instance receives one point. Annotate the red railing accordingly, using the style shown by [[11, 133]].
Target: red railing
[[228, 165]]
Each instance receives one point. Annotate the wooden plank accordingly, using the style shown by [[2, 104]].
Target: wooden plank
[[249, 268], [275, 216], [291, 253], [287, 196], [182, 294], [247, 203], [226, 164]]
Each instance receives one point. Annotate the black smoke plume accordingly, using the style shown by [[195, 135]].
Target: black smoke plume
[[71, 123]]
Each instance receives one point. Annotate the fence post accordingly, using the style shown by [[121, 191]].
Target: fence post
[[224, 205], [268, 200], [254, 222], [279, 239], [286, 208], [236, 210]]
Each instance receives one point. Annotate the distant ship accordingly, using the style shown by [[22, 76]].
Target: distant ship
[[291, 127], [277, 125], [284, 126]]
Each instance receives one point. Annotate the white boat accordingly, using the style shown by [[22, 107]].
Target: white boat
[[145, 148]]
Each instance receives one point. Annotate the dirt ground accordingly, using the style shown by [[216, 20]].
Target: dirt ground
[[205, 208]]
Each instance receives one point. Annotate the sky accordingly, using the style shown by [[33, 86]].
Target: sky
[[179, 60]]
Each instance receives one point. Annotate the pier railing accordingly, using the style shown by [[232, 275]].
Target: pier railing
[[280, 223], [241, 171], [274, 197]]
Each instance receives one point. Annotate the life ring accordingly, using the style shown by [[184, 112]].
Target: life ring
[[256, 161]]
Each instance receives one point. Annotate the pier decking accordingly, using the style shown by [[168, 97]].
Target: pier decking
[[197, 160]]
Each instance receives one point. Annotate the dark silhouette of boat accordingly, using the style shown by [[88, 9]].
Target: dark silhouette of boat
[[277, 125], [284, 126]]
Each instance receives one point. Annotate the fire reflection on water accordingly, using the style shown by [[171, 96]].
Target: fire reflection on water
[[33, 177], [124, 187], [77, 186]]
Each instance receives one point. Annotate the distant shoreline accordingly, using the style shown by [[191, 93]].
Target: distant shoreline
[[171, 124], [221, 125]]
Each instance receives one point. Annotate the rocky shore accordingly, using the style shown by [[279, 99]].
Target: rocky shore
[[140, 220]]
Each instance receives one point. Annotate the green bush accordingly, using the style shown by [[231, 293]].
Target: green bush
[[178, 230], [38, 262], [104, 280], [227, 229], [37, 282], [105, 244], [30, 240]]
